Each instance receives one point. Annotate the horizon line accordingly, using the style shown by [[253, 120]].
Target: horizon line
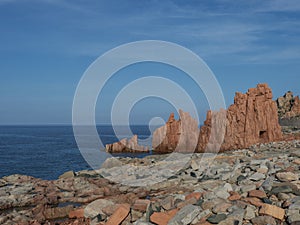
[[68, 124]]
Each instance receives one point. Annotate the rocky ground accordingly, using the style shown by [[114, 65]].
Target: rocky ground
[[259, 185]]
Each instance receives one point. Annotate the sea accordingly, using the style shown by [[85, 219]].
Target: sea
[[46, 152]]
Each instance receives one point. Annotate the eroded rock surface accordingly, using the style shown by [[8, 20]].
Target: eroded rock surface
[[180, 135], [251, 119]]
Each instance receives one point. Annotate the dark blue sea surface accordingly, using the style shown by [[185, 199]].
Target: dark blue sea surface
[[48, 151]]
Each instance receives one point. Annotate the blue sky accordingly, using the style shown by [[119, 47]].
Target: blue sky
[[46, 45]]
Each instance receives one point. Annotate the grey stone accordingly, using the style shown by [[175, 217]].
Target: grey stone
[[139, 222], [185, 215], [257, 177], [263, 169], [231, 221], [295, 217], [111, 163], [241, 178], [227, 187], [267, 201], [263, 220], [223, 194], [268, 183], [215, 219], [21, 190], [149, 212], [201, 215], [249, 212], [281, 189], [167, 203], [295, 206], [247, 188], [195, 164], [258, 162], [283, 197], [94, 209]]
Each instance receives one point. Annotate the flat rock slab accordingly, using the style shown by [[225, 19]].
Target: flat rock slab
[[119, 215], [162, 218], [186, 215], [272, 210], [215, 219]]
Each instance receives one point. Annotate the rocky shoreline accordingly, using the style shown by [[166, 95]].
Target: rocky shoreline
[[259, 185], [247, 183]]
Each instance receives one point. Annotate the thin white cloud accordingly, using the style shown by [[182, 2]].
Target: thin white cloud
[[279, 6], [277, 56], [216, 33]]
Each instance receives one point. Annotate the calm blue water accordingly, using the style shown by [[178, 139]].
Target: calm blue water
[[48, 151]]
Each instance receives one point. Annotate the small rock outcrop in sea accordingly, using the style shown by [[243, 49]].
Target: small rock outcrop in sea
[[180, 135], [126, 145], [251, 119]]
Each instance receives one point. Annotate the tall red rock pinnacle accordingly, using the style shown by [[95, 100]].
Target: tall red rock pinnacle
[[251, 119], [180, 135]]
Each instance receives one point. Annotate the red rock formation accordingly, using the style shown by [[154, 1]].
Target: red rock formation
[[251, 119], [295, 109], [180, 135], [288, 106], [125, 145], [212, 132]]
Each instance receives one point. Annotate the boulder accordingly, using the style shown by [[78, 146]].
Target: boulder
[[95, 208], [180, 135], [126, 145], [68, 174]]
